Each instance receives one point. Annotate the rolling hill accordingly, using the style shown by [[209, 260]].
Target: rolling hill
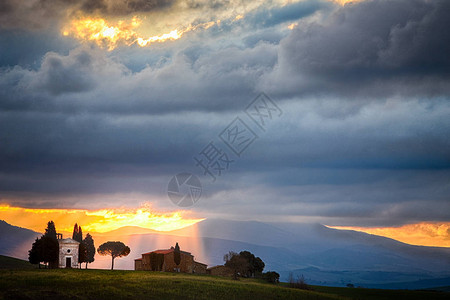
[[16, 241], [105, 284], [12, 263], [322, 255]]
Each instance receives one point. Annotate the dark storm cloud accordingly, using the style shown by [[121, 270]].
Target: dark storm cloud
[[93, 6], [382, 198], [217, 81], [40, 14], [265, 17], [59, 76], [26, 49], [81, 122], [116, 7], [373, 48], [372, 166], [148, 5]]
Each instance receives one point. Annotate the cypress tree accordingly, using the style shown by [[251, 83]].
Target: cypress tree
[[90, 249], [80, 234], [50, 231], [35, 255], [177, 255], [50, 246], [75, 232]]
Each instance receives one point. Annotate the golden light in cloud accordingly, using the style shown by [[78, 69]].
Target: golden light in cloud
[[109, 33], [102, 220], [422, 234], [292, 26], [109, 36]]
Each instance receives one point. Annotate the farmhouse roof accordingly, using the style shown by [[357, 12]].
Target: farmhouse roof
[[166, 251]]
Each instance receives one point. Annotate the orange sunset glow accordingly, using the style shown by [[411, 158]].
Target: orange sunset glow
[[421, 234], [108, 35], [102, 220]]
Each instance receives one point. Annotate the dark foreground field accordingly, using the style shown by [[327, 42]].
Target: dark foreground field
[[105, 284]]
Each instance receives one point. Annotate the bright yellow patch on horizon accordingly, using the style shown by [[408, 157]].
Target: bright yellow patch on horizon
[[109, 36], [421, 234], [102, 220]]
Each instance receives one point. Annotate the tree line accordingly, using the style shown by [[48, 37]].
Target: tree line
[[86, 250], [45, 249]]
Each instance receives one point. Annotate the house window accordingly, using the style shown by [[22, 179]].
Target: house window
[[68, 250]]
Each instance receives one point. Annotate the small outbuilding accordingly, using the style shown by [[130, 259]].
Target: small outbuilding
[[68, 253], [220, 271]]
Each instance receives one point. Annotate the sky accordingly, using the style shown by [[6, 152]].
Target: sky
[[102, 102]]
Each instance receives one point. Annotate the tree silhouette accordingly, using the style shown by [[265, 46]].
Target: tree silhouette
[[255, 264], [50, 231], [46, 248], [50, 251], [35, 255], [80, 234], [271, 277], [237, 263], [115, 249], [82, 251], [90, 249], [50, 246], [75, 232], [177, 255], [77, 235]]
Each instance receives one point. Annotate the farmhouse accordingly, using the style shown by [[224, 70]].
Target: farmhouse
[[220, 271], [163, 260], [68, 253]]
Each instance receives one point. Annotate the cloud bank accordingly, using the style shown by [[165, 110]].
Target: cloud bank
[[363, 139]]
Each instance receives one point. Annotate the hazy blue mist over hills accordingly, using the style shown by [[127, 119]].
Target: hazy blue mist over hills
[[322, 255]]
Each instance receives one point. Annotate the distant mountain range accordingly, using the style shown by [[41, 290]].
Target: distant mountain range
[[322, 255]]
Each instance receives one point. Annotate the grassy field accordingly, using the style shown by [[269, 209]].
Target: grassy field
[[20, 280], [106, 284], [15, 263], [378, 294]]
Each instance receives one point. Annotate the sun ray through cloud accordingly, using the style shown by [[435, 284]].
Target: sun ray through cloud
[[110, 35]]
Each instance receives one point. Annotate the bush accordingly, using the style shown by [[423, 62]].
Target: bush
[[271, 277], [298, 283]]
